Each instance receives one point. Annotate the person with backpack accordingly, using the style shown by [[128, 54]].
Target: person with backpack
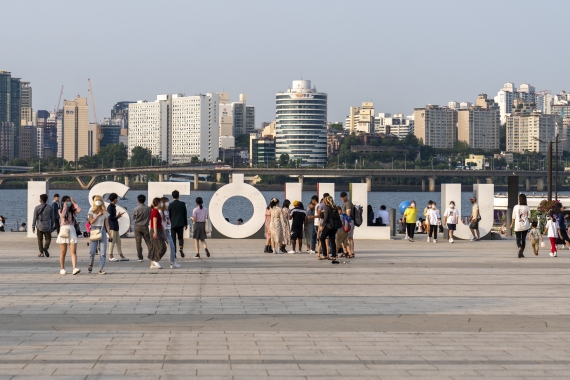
[[43, 222], [348, 209], [298, 215], [331, 223], [521, 222], [342, 233]]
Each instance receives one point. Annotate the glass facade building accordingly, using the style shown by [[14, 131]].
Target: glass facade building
[[301, 124]]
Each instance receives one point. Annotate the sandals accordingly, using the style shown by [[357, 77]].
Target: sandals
[[41, 255], [114, 259]]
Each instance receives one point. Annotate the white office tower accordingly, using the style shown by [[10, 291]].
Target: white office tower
[[505, 98], [195, 127], [149, 127], [301, 129], [544, 101], [227, 139]]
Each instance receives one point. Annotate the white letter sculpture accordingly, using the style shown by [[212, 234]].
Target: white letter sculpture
[[485, 194], [237, 188], [105, 188]]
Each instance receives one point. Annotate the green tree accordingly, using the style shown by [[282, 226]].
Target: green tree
[[284, 160], [141, 156], [242, 141], [194, 160], [503, 137], [114, 155], [337, 127]]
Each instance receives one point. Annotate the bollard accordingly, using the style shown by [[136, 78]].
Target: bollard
[[509, 221], [392, 222]]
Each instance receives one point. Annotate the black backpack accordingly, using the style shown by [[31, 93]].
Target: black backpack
[[357, 215], [336, 222]]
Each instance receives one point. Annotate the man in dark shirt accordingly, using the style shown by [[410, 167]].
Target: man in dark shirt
[[299, 217], [178, 220], [55, 208], [43, 223], [115, 238], [141, 217]]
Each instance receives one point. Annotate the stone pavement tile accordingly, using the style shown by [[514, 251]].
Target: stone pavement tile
[[238, 377], [63, 377], [331, 372], [520, 373], [232, 372], [262, 357], [264, 366], [448, 373]]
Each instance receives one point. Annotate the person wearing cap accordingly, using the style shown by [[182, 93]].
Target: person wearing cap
[[299, 217], [474, 220]]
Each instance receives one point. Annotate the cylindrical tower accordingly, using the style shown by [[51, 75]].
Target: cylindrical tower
[[301, 128]]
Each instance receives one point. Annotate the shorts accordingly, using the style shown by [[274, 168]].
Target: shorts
[[451, 227], [351, 232], [341, 238], [474, 225], [297, 234]]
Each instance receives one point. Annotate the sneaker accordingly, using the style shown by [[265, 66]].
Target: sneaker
[[411, 240], [435, 240], [141, 260], [551, 254], [46, 253], [473, 238], [452, 240], [428, 240], [207, 252], [101, 271], [90, 267], [310, 252], [76, 271], [63, 271], [293, 252], [155, 265], [197, 256], [124, 259], [114, 259], [174, 265], [555, 254], [181, 253]]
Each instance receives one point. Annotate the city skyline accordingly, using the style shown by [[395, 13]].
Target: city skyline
[[425, 55]]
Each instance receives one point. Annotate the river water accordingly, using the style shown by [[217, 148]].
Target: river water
[[13, 202]]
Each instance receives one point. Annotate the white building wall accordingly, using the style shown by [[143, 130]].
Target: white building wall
[[149, 126]]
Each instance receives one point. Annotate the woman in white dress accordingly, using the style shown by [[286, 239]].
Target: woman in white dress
[[67, 235], [276, 227]]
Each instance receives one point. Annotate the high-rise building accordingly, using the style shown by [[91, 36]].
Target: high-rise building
[[243, 116], [75, 134], [544, 101], [361, 119], [436, 126], [301, 129], [562, 99], [149, 126], [110, 132], [26, 112], [562, 110], [10, 112], [28, 142], [226, 132], [261, 149], [6, 140], [507, 95], [120, 114], [195, 127], [525, 125], [394, 124], [479, 125]]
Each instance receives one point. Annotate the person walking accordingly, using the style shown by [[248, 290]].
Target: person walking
[[277, 222], [157, 247], [164, 203], [268, 244], [433, 219], [347, 208], [55, 209], [199, 216], [310, 212], [315, 220], [552, 233], [141, 218], [562, 229], [329, 230], [286, 226], [409, 218], [43, 222], [114, 226], [299, 219], [451, 218], [98, 218], [474, 220], [521, 222], [67, 235], [178, 220], [535, 237], [341, 239]]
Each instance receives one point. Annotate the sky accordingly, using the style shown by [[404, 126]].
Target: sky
[[398, 54]]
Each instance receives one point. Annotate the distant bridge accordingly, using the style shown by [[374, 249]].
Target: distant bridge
[[87, 178]]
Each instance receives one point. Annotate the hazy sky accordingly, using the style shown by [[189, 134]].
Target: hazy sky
[[399, 54]]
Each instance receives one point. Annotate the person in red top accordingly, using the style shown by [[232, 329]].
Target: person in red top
[[157, 247]]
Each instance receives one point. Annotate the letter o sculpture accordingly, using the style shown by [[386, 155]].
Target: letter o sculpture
[[237, 188]]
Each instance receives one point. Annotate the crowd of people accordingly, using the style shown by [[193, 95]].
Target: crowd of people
[[433, 222], [160, 225]]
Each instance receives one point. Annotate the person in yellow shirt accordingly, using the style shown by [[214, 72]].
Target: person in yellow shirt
[[410, 220]]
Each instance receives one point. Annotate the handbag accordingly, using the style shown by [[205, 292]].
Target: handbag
[[63, 233], [208, 226], [95, 235], [440, 229]]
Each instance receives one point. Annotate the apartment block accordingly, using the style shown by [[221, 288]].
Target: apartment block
[[436, 126], [149, 126], [526, 126], [75, 132], [479, 125], [396, 124], [361, 119]]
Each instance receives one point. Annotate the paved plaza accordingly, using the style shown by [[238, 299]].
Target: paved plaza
[[399, 310]]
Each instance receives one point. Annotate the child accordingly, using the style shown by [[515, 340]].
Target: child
[[552, 229], [535, 236], [433, 218]]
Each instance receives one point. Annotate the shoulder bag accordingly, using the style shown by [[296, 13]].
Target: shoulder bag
[[95, 234]]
